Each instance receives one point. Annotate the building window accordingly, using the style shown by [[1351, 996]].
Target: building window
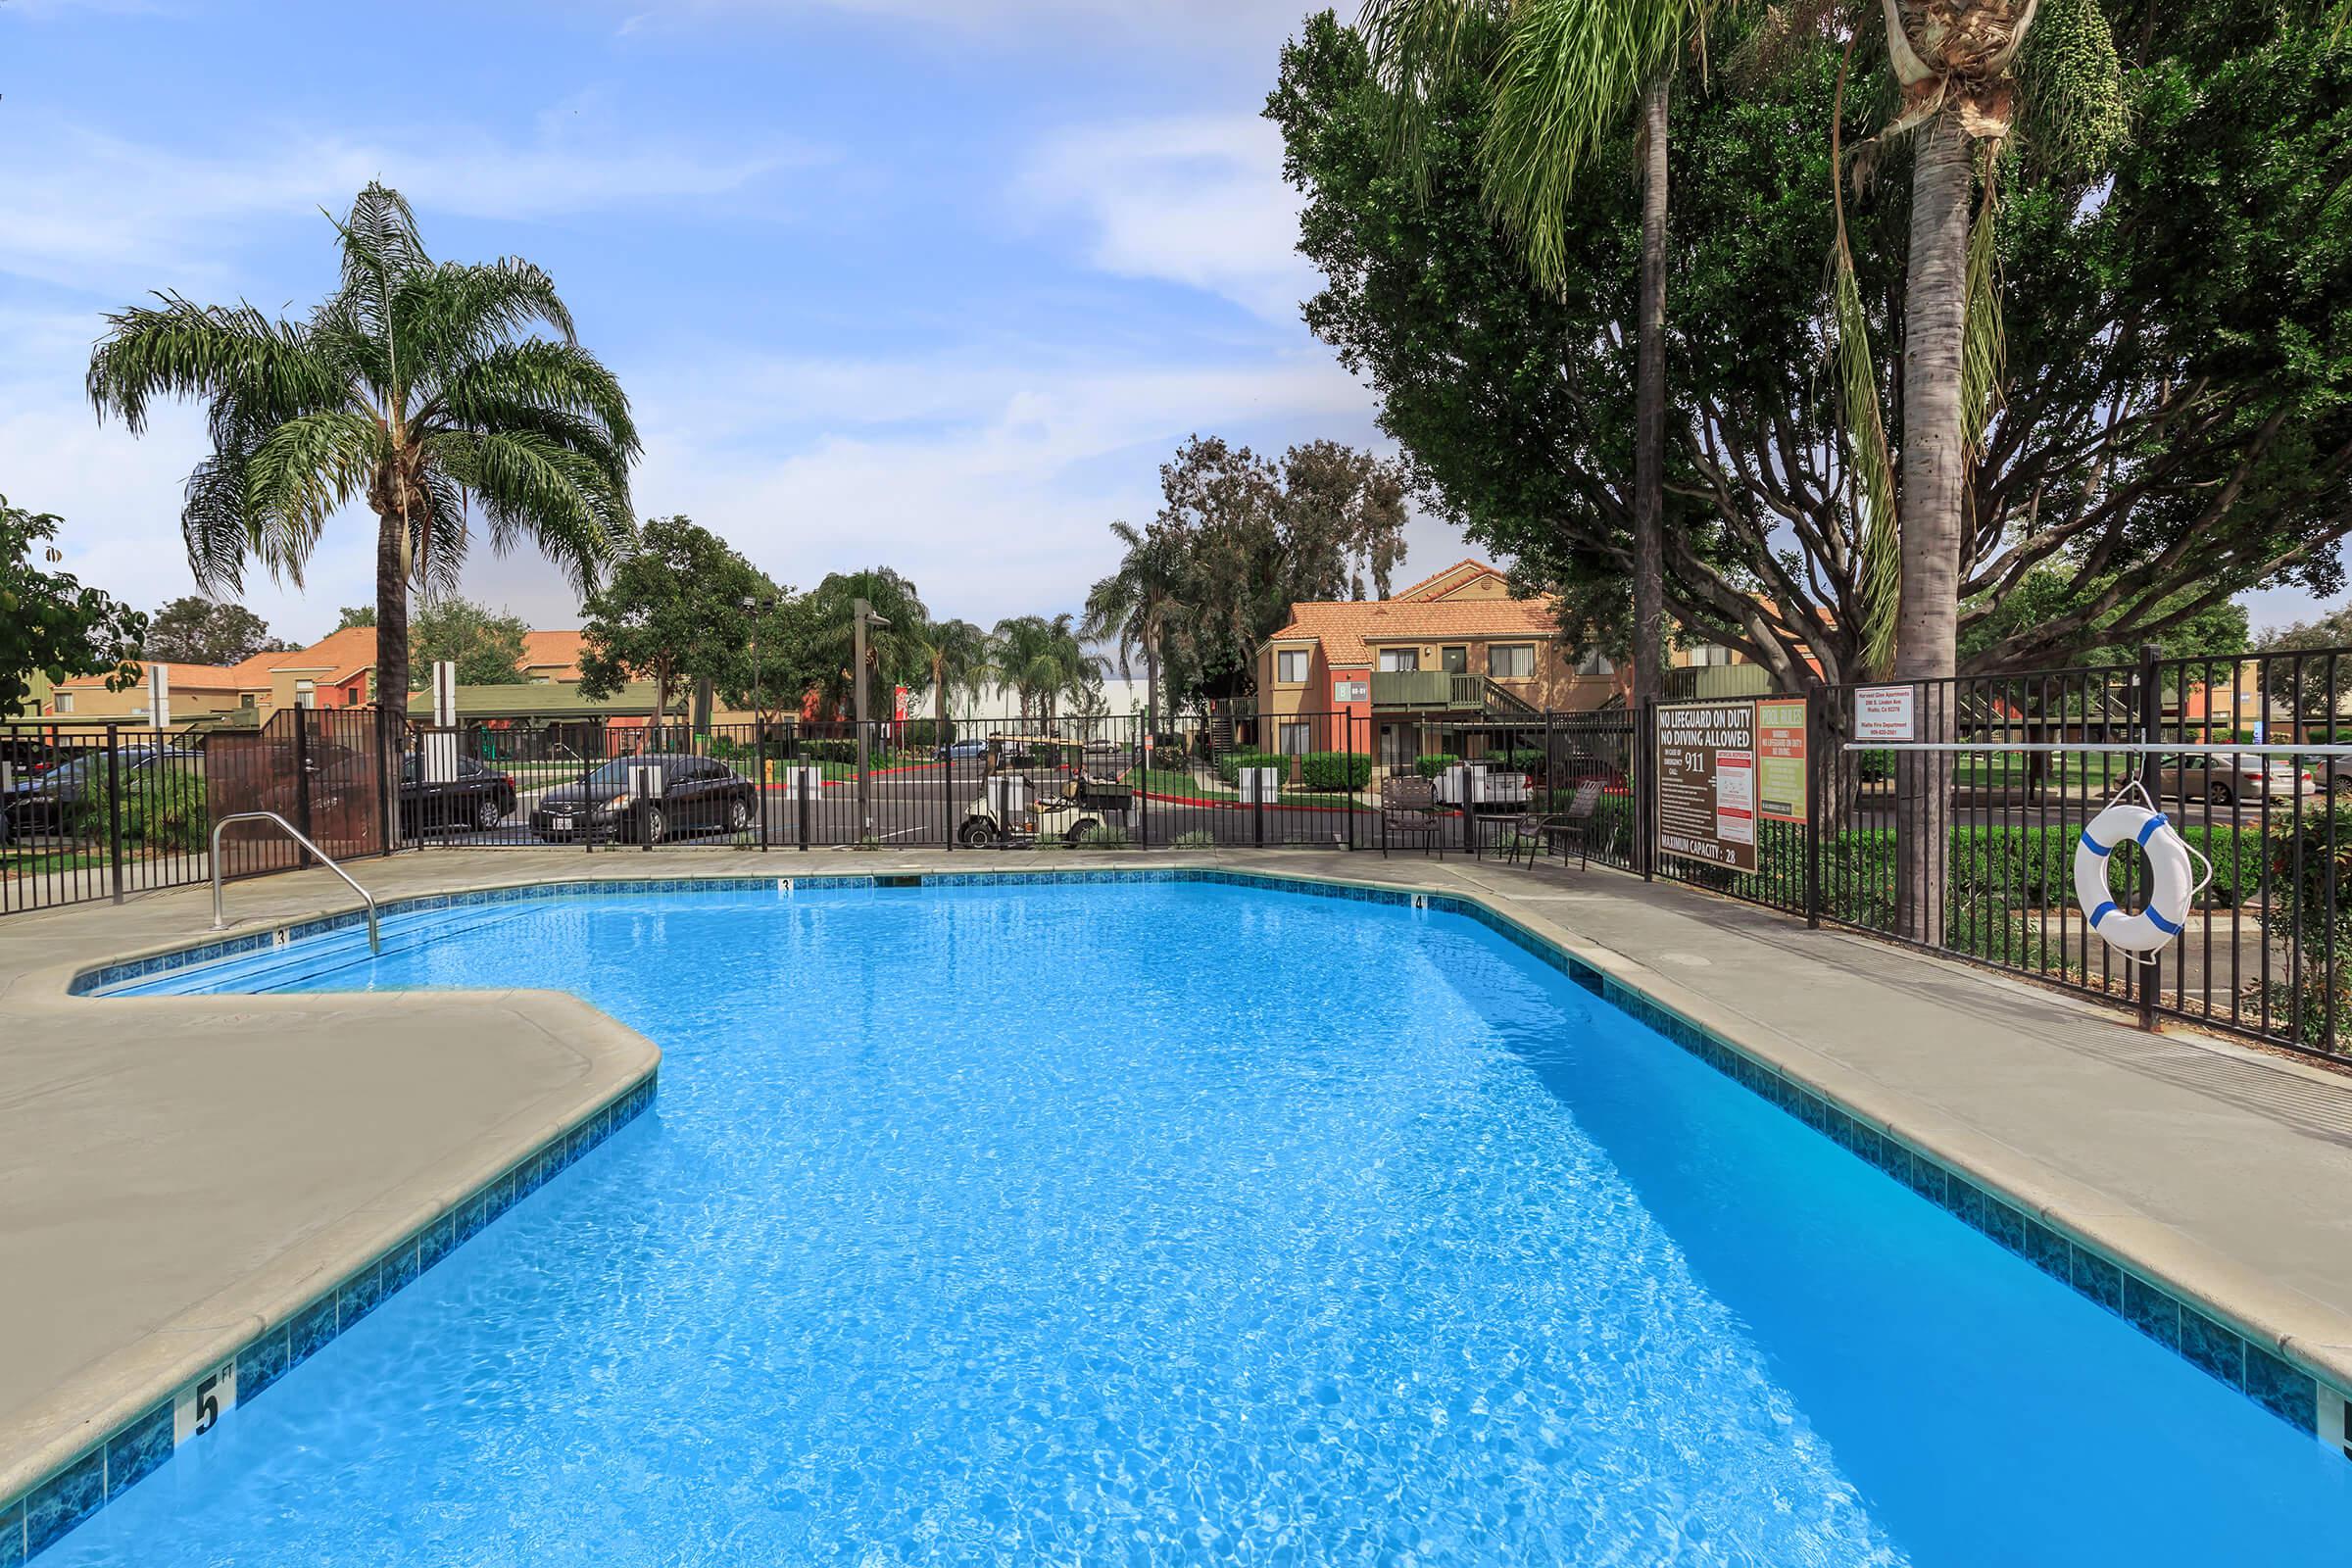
[[1392, 659], [65, 702], [1293, 740], [306, 694], [1289, 667], [1596, 662], [1454, 660], [1710, 655], [1516, 662]]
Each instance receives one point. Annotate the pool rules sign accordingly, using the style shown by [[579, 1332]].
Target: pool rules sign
[[1708, 783]]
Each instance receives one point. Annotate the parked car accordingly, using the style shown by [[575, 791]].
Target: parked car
[[479, 796], [48, 801], [2227, 777], [698, 795], [957, 751]]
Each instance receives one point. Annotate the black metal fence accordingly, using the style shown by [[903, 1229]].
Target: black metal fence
[[1963, 840], [105, 809]]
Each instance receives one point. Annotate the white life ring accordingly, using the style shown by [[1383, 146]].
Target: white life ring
[[2168, 859]]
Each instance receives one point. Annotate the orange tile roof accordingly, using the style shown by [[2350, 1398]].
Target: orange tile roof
[[560, 648], [1347, 629], [1428, 586]]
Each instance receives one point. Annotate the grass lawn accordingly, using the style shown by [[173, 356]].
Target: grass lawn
[[48, 862]]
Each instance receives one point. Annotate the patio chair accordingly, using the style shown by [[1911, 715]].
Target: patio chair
[[1408, 810], [1579, 822]]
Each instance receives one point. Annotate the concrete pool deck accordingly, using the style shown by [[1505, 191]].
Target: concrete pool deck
[[177, 1170]]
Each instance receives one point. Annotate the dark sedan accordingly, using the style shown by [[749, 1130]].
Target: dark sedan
[[49, 801], [698, 796], [478, 797]]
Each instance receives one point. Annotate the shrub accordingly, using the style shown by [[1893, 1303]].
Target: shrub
[[1433, 764], [1517, 760], [1335, 770], [1196, 838], [926, 734], [161, 811], [1102, 836], [1230, 766], [829, 751], [2311, 868]]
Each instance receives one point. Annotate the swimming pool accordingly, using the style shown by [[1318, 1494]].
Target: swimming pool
[[1173, 1222]]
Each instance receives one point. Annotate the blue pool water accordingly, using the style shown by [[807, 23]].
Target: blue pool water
[[1173, 1223]]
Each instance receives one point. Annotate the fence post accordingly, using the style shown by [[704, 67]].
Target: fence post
[[1646, 804], [1356, 791], [114, 810], [2145, 976], [1814, 756], [302, 779]]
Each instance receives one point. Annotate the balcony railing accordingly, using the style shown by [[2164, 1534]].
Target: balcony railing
[[1431, 690]]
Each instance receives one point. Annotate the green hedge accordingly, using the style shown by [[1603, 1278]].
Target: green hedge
[[1433, 764], [1230, 766], [829, 751], [1335, 770]]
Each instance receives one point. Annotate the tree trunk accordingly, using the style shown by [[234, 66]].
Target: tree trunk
[[1649, 406], [1150, 687], [1935, 468], [391, 656]]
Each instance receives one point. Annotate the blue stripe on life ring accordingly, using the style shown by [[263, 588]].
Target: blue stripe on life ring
[[2092, 844], [2156, 917], [2102, 912], [2148, 831]]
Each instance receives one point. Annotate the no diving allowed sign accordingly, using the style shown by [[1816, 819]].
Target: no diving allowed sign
[[1706, 773]]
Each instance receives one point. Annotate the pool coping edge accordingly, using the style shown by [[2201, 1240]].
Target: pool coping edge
[[1879, 1125]]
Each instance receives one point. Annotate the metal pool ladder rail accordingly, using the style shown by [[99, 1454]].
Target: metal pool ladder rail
[[376, 940]]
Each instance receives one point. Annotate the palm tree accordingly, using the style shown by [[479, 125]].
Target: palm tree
[[955, 653], [1133, 605], [1042, 660], [895, 653], [1563, 77], [419, 385]]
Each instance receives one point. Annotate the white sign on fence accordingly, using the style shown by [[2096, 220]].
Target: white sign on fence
[[1884, 713]]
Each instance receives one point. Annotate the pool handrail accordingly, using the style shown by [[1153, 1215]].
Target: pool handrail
[[376, 940]]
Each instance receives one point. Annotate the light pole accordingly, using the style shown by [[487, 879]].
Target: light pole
[[863, 617], [753, 608]]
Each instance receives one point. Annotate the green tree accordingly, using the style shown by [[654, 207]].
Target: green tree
[[954, 656], [196, 630], [896, 654], [50, 624], [670, 612], [1562, 77], [1041, 659], [486, 645], [2165, 436], [417, 385], [353, 616], [1132, 606], [1248, 538]]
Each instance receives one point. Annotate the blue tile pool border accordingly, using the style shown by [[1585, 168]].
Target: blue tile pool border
[[2171, 1318], [76, 1489]]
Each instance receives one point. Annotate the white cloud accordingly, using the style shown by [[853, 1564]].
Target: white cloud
[[1198, 200], [86, 209]]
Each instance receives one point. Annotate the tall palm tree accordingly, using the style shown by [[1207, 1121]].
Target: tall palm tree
[[956, 651], [1133, 605], [1964, 78], [421, 386], [1563, 76], [1043, 661]]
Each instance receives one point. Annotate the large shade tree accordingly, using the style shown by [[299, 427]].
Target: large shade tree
[[433, 391], [1043, 662], [670, 612], [895, 653], [955, 655], [2164, 436]]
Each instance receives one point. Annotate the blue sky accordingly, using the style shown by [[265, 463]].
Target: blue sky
[[934, 283]]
